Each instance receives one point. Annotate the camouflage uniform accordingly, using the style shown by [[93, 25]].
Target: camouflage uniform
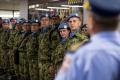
[[4, 49], [44, 56], [32, 54], [23, 58], [58, 53], [17, 41], [54, 39], [77, 38], [10, 45]]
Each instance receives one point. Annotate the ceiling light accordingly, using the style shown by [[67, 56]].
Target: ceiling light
[[31, 6], [57, 8], [55, 0], [71, 6], [37, 5], [41, 9]]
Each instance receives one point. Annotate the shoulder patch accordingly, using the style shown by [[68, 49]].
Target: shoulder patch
[[75, 46]]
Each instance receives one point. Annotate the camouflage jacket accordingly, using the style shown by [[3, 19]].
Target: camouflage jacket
[[76, 38], [10, 42], [59, 52], [33, 45], [25, 38], [4, 38]]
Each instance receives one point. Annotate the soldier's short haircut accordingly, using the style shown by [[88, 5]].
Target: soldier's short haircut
[[106, 22]]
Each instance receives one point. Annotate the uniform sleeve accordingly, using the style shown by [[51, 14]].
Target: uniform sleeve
[[100, 66], [66, 65], [94, 65]]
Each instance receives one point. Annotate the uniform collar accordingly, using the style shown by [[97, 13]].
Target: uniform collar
[[72, 34], [110, 35], [45, 29], [6, 30], [63, 40], [26, 32], [35, 31]]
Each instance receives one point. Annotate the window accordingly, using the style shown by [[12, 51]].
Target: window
[[5, 14], [16, 14]]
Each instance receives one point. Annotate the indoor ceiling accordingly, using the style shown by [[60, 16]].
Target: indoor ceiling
[[9, 1], [29, 1], [42, 1]]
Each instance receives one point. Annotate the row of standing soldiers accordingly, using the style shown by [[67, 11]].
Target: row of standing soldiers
[[34, 50]]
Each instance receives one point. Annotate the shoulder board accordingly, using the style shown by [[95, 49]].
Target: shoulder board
[[80, 35], [74, 47]]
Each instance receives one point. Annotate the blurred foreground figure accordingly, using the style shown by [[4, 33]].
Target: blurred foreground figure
[[98, 59]]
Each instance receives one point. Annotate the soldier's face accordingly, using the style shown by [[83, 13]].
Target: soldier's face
[[74, 23], [45, 21], [56, 20], [18, 27], [13, 21], [35, 26], [85, 30], [64, 33], [26, 26], [6, 25]]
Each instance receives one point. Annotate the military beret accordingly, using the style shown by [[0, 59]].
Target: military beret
[[22, 19], [6, 21], [35, 21], [107, 8], [19, 21], [27, 21], [63, 26], [55, 16], [73, 15], [46, 15], [13, 18]]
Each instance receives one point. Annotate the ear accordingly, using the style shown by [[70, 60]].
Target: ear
[[90, 21], [91, 24]]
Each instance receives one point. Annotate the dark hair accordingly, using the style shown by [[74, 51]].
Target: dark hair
[[106, 23]]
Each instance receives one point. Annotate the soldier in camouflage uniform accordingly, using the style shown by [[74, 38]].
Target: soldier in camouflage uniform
[[11, 44], [13, 21], [58, 52], [67, 38], [4, 58], [75, 24], [32, 50], [17, 41], [22, 50], [54, 36], [44, 49], [85, 30]]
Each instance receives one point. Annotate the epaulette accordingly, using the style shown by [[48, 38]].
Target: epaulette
[[80, 35], [74, 47]]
